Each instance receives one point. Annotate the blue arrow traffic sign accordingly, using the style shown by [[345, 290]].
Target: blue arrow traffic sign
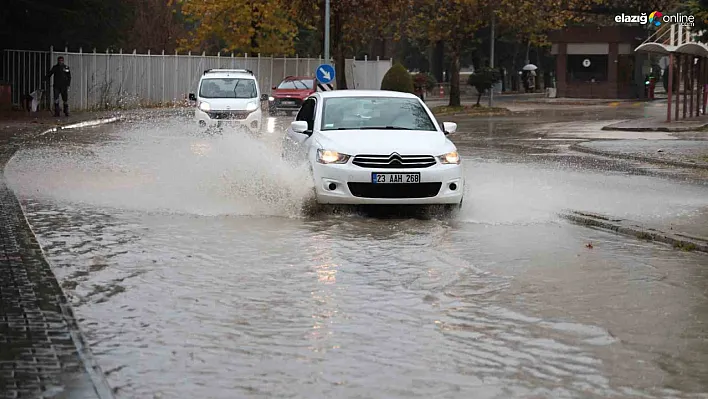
[[325, 73]]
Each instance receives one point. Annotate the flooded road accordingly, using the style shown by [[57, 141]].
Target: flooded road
[[195, 274]]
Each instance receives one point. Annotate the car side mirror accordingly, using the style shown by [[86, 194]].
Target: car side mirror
[[264, 97], [192, 97], [275, 88], [449, 127], [300, 127]]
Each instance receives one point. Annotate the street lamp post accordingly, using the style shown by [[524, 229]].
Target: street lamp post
[[491, 60]]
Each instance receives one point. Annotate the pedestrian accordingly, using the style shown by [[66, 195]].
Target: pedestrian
[[62, 81]]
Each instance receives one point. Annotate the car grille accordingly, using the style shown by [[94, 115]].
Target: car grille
[[228, 114], [394, 161], [297, 101], [401, 190]]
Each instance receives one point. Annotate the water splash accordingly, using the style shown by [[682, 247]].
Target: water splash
[[166, 167]]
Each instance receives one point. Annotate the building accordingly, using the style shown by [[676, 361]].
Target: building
[[600, 62]]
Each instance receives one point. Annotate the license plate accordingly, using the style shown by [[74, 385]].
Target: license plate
[[288, 102], [394, 178]]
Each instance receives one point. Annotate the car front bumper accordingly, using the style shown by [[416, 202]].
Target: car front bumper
[[353, 185], [252, 122]]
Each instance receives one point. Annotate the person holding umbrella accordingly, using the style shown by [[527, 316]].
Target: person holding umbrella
[[529, 77]]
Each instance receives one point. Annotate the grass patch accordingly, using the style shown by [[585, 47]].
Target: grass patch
[[685, 246], [470, 110]]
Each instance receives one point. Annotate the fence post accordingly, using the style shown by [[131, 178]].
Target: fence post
[[366, 70], [135, 74], [285, 66], [297, 65], [175, 92], [82, 78], [258, 67], [245, 61], [108, 74], [308, 65], [189, 69], [149, 79], [121, 65], [93, 76], [233, 61], [49, 83], [270, 81], [162, 101]]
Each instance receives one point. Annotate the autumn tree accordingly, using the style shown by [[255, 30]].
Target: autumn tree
[[453, 22], [244, 26], [155, 24], [354, 24]]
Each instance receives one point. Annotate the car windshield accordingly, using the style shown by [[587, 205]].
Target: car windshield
[[228, 88], [299, 84], [356, 113]]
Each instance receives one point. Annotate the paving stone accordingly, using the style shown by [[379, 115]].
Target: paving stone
[[38, 353]]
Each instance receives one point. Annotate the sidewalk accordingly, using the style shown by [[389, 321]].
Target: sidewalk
[[42, 352]]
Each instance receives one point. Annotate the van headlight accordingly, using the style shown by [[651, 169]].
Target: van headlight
[[451, 158], [251, 106], [330, 157], [204, 106]]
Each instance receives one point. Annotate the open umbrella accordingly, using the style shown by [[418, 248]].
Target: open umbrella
[[529, 67]]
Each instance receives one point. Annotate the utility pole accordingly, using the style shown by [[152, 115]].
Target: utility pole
[[491, 59], [326, 33]]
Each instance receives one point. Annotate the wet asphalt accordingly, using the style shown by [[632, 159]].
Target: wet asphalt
[[194, 273]]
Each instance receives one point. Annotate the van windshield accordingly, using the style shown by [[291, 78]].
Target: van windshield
[[228, 88]]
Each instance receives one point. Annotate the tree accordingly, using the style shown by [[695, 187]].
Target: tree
[[453, 22], [156, 25], [354, 23], [397, 79], [243, 26], [483, 79]]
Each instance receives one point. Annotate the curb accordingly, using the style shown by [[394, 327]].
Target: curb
[[629, 228], [655, 129], [89, 123], [97, 377], [665, 162]]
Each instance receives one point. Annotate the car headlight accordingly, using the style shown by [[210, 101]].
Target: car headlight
[[450, 158], [251, 106], [204, 106], [330, 157], [271, 99]]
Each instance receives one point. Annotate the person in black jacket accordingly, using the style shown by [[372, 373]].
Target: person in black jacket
[[62, 81]]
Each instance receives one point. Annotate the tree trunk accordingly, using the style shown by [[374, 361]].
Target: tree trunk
[[455, 77], [340, 63], [528, 50], [438, 60], [479, 98], [513, 73]]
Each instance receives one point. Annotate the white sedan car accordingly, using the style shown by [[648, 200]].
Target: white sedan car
[[376, 147]]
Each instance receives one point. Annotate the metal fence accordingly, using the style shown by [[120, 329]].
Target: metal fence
[[125, 80]]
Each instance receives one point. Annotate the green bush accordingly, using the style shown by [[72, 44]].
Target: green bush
[[397, 79], [483, 79]]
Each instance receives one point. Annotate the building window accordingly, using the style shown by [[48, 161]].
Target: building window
[[587, 68]]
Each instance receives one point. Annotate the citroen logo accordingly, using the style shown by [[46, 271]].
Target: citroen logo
[[395, 158]]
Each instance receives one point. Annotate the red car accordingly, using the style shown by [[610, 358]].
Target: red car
[[290, 93]]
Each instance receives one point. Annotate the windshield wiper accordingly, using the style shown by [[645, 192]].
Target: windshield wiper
[[384, 128]]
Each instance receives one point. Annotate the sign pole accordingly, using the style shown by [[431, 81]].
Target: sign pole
[[326, 33]]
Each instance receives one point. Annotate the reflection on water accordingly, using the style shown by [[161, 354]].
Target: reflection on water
[[180, 297]]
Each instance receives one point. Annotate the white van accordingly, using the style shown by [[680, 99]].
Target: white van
[[228, 97]]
